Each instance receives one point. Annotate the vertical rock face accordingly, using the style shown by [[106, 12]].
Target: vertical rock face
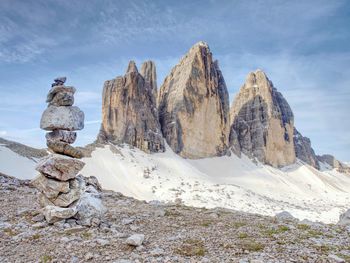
[[263, 122], [148, 72], [129, 112], [303, 149], [193, 106]]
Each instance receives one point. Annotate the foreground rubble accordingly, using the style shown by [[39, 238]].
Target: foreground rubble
[[135, 231]]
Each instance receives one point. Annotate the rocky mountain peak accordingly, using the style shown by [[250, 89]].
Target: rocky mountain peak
[[192, 98], [132, 67], [262, 122], [129, 112]]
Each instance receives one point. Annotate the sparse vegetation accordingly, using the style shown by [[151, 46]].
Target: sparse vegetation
[[191, 247], [303, 227], [45, 258], [242, 235], [252, 245]]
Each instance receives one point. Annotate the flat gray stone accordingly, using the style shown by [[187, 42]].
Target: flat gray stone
[[68, 118]]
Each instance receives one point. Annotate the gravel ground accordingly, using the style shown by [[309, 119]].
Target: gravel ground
[[173, 233]]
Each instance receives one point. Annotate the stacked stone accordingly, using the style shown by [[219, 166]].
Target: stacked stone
[[61, 188]]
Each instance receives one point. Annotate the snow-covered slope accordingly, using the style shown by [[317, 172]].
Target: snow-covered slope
[[16, 165], [229, 182]]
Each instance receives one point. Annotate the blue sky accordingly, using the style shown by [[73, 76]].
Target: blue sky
[[303, 46]]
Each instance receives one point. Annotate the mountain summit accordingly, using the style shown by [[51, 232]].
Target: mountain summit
[[194, 106], [129, 112], [263, 121]]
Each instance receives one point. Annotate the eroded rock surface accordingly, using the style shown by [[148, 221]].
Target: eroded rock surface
[[60, 167], [263, 121], [129, 112], [304, 151], [148, 71], [194, 106]]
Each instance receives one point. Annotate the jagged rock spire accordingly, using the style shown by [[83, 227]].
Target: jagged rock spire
[[131, 67], [193, 106], [129, 112], [262, 122], [148, 71]]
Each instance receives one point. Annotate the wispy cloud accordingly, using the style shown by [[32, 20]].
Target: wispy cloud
[[302, 45]]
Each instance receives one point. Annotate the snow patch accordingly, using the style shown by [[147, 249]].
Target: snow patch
[[16, 165]]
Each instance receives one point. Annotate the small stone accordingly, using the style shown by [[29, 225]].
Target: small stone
[[62, 136], [102, 242], [54, 214], [68, 118], [60, 167], [64, 148], [61, 96], [40, 225], [157, 252], [135, 240], [88, 256], [59, 81], [50, 187], [127, 221], [38, 218]]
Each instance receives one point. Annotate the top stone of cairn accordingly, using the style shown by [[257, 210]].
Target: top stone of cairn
[[59, 81]]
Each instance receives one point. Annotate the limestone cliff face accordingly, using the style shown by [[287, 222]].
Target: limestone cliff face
[[194, 107], [148, 71], [129, 112], [304, 151], [263, 122]]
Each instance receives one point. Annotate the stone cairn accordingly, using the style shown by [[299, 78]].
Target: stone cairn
[[63, 194]]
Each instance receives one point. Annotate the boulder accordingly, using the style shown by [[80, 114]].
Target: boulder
[[64, 148], [284, 215], [148, 72], [89, 207], [61, 96], [303, 150], [93, 181], [59, 167], [61, 136], [263, 122], [194, 107], [50, 187], [68, 118], [54, 214], [344, 219], [129, 113]]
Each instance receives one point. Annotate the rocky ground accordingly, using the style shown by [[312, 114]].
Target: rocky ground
[[172, 233]]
